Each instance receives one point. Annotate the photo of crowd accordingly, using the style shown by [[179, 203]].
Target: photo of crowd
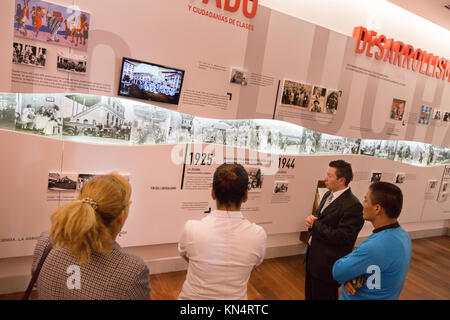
[[71, 63], [296, 94], [149, 81], [255, 179], [29, 55], [39, 114], [100, 119]]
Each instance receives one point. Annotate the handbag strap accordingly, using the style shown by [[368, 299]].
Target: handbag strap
[[33, 280]]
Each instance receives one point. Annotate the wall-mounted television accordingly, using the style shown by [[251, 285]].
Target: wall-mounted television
[[149, 81]]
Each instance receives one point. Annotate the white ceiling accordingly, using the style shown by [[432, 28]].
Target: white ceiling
[[432, 10]]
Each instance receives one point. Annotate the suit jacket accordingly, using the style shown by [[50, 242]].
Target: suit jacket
[[116, 276], [333, 234]]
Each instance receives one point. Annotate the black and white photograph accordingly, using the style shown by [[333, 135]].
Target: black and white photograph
[[62, 181], [8, 105], [29, 55], [437, 115], [153, 125], [446, 117], [385, 149], [296, 94], [368, 147], [332, 101], [71, 63], [399, 177], [311, 141], [375, 176], [149, 81], [95, 118], [331, 144], [318, 100], [351, 146], [432, 185], [280, 187], [255, 179], [438, 155], [238, 76], [83, 178], [444, 191], [412, 152], [39, 114]]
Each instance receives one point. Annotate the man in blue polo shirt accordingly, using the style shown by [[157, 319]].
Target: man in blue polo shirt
[[382, 260]]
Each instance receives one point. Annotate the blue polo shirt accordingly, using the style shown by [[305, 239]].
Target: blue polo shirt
[[383, 260]]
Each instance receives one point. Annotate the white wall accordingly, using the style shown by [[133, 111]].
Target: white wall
[[378, 15]]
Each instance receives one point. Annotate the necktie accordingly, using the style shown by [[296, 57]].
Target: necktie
[[327, 202]]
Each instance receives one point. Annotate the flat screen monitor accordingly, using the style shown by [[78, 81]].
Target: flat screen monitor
[[149, 81]]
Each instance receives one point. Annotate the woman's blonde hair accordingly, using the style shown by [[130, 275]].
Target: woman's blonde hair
[[86, 225]]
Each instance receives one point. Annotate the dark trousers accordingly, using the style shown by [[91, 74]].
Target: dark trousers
[[318, 289]]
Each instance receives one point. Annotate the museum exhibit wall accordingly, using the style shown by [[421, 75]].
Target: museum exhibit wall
[[237, 103]]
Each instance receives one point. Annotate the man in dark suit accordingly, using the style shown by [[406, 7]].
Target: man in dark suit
[[334, 228]]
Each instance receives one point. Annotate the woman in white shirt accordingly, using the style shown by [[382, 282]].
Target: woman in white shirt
[[222, 248]]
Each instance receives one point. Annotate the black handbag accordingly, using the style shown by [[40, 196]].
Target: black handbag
[[33, 280]]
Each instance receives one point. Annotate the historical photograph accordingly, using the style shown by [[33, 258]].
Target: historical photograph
[[71, 63], [318, 100], [425, 114], [398, 109], [39, 113], [82, 179], [432, 185], [437, 155], [8, 105], [255, 178], [49, 22], [148, 81], [385, 149], [149, 125], [332, 101], [239, 77], [296, 94], [351, 146], [375, 176], [368, 147], [280, 187], [62, 181], [311, 141], [437, 115], [95, 118], [446, 117], [399, 177], [331, 144], [412, 152], [29, 55]]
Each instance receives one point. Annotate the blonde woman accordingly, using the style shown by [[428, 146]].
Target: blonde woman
[[86, 262]]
